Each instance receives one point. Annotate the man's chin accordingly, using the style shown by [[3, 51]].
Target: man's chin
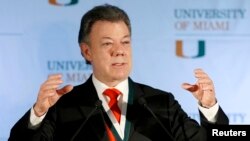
[[120, 77]]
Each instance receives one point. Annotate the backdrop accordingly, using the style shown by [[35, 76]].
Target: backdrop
[[170, 38]]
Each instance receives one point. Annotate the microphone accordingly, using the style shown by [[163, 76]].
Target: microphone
[[143, 103], [100, 110], [98, 104]]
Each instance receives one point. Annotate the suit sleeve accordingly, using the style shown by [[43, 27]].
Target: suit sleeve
[[21, 132], [176, 120], [185, 128]]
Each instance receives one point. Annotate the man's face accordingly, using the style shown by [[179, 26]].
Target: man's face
[[109, 51]]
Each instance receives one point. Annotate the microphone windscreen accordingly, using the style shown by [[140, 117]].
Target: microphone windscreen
[[142, 101], [98, 103]]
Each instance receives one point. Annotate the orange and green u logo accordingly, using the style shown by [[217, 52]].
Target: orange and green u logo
[[54, 2], [180, 53]]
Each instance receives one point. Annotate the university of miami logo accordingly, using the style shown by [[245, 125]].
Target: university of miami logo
[[180, 52], [69, 3]]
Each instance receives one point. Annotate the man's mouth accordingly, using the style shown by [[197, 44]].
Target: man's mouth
[[118, 64]]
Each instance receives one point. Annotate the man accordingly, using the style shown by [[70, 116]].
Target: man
[[143, 113]]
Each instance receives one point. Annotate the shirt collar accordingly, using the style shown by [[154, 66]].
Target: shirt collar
[[100, 87]]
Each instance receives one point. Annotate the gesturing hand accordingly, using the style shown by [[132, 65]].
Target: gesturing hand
[[203, 89], [49, 94]]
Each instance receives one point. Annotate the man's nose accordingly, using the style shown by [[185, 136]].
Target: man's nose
[[118, 50]]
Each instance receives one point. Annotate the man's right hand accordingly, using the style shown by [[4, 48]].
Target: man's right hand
[[49, 94]]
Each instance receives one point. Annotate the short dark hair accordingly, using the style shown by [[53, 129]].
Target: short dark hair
[[104, 12]]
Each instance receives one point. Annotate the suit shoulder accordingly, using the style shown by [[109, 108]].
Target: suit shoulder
[[77, 92], [149, 90]]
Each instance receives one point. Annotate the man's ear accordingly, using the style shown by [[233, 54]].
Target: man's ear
[[86, 53]]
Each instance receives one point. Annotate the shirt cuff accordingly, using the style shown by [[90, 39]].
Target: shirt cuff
[[210, 113], [35, 121]]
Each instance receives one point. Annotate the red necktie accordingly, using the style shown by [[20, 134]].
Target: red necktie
[[113, 93]]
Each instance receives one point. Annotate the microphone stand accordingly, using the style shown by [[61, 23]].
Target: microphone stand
[[143, 102], [98, 104]]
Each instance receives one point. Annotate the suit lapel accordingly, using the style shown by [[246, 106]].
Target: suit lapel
[[133, 115], [87, 98]]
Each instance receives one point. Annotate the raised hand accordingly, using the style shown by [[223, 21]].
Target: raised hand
[[49, 94], [203, 90]]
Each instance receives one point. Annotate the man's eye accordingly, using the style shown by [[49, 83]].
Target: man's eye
[[126, 42], [107, 44]]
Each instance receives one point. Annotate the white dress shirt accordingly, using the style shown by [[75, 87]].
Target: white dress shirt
[[122, 103]]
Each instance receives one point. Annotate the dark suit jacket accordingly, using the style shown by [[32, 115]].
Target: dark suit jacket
[[65, 117]]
